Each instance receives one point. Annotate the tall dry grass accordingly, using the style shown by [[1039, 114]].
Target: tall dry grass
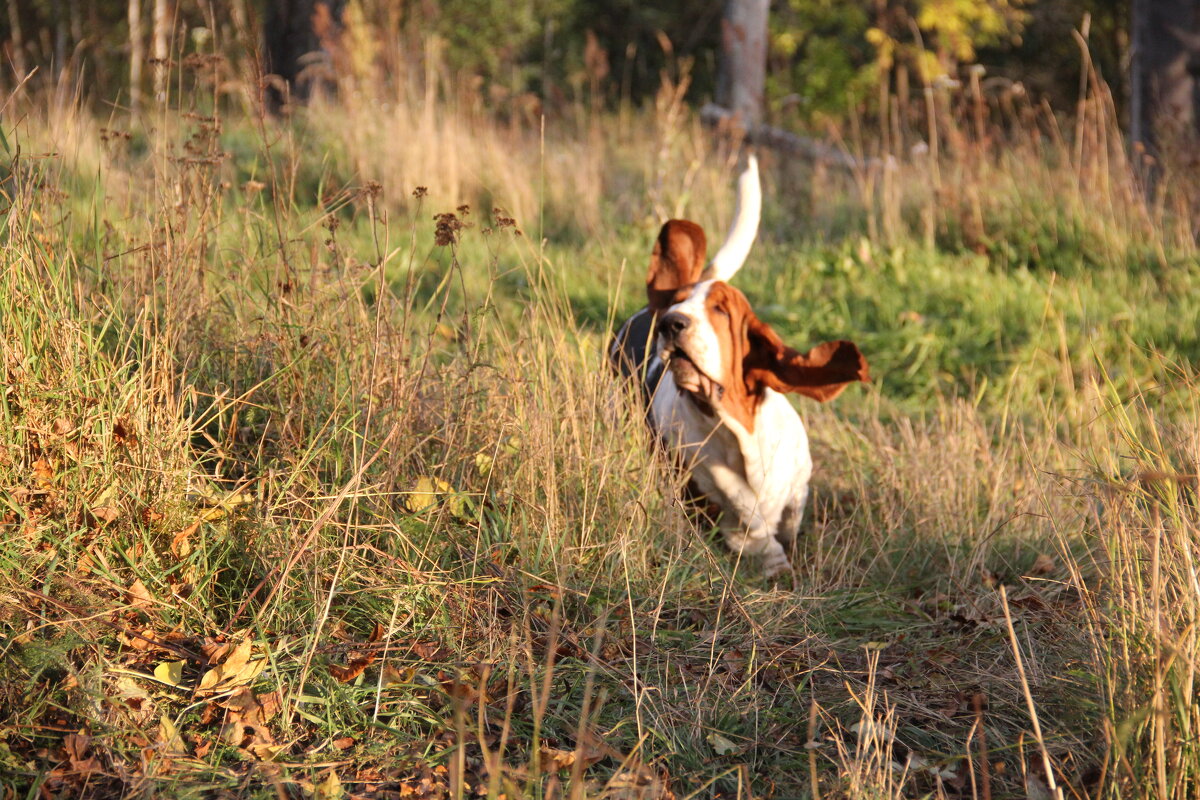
[[247, 395]]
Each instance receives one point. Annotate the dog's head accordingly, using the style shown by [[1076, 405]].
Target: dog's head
[[718, 351]]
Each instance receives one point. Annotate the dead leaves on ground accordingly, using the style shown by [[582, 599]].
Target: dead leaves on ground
[[236, 669], [245, 722], [352, 670]]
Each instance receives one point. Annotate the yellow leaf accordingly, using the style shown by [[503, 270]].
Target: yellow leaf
[[238, 670], [169, 672], [238, 658], [722, 746], [396, 677], [168, 734], [425, 493], [265, 751], [330, 788]]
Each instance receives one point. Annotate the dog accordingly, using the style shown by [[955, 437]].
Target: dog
[[713, 378]]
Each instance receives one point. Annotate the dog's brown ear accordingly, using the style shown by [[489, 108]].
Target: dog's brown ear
[[676, 263], [821, 373]]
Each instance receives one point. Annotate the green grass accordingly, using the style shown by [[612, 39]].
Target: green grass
[[281, 414]]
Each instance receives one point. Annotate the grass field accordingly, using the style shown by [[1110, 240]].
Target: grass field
[[298, 501]]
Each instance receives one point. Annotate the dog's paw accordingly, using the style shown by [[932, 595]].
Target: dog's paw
[[776, 567]]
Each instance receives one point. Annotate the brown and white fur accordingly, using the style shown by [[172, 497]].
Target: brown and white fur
[[713, 377]]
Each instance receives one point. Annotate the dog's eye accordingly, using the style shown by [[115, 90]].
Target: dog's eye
[[720, 310]]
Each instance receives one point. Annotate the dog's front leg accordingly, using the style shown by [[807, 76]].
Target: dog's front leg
[[746, 530], [759, 543], [792, 517]]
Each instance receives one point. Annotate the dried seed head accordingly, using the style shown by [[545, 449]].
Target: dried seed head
[[447, 229], [503, 220]]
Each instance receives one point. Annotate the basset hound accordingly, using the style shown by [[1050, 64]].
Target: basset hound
[[713, 377]]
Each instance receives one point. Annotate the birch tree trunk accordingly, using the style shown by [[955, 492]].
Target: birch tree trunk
[[161, 54], [18, 40], [742, 71], [137, 54]]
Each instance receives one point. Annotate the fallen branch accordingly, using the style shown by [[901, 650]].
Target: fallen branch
[[778, 139]]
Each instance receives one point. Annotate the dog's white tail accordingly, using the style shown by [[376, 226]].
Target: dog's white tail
[[742, 232]]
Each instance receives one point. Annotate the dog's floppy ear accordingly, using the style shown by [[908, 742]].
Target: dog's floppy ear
[[677, 262], [821, 373]]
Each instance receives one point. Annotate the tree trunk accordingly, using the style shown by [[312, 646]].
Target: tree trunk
[[18, 41], [743, 65], [137, 54], [300, 39], [162, 53], [1165, 73], [60, 39]]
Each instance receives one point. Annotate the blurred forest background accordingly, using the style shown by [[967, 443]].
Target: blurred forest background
[[824, 58]]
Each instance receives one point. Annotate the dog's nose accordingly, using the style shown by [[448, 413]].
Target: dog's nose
[[672, 325]]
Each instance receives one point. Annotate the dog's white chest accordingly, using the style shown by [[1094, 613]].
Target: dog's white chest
[[757, 474]]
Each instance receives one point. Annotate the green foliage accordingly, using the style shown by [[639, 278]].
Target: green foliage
[[829, 55]]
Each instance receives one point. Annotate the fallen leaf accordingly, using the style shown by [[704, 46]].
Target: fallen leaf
[[138, 595], [233, 732], [169, 672], [330, 788], [124, 433], [554, 760], [1042, 565], [106, 514], [265, 751], [181, 545], [352, 670], [638, 783], [216, 651], [76, 745], [376, 633], [168, 734], [252, 709], [424, 495], [237, 670], [42, 472], [430, 651], [269, 704], [396, 677], [722, 746]]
